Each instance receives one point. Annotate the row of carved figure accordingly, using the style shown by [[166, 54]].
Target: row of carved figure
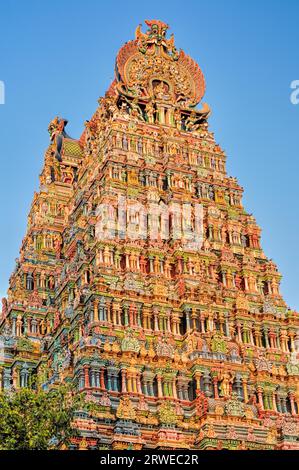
[[214, 384], [36, 280], [261, 335], [263, 284], [174, 181], [136, 225], [156, 112]]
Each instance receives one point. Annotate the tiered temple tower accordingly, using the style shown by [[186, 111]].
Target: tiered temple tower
[[141, 278]]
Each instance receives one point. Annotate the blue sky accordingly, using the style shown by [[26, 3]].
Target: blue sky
[[57, 58]]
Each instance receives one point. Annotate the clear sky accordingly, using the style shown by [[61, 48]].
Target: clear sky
[[57, 58]]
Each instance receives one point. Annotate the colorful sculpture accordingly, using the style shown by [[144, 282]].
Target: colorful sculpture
[[141, 277]]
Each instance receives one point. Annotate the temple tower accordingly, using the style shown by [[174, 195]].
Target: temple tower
[[141, 278]]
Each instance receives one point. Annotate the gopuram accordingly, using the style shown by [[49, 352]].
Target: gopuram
[[141, 278]]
